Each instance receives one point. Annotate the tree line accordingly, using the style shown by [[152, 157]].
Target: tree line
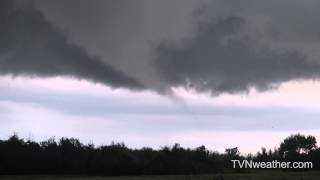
[[70, 156]]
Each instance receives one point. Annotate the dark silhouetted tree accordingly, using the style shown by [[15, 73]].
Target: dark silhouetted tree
[[297, 145], [70, 156]]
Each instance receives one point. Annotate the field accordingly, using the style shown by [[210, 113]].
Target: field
[[249, 176]]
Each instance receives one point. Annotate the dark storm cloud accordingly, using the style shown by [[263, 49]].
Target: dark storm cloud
[[220, 46], [31, 46], [217, 59]]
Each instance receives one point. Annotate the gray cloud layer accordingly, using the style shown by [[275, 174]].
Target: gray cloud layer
[[142, 117], [30, 45], [214, 60], [217, 46]]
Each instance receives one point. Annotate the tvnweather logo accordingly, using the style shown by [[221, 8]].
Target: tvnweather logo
[[271, 164]]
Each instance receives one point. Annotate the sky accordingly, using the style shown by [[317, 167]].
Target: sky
[[218, 73]]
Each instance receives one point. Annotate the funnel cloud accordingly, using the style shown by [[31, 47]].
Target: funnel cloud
[[211, 46]]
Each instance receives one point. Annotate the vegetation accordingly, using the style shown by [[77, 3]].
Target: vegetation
[[69, 156], [274, 175]]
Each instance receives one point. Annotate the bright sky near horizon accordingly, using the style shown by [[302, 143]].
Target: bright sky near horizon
[[39, 108]]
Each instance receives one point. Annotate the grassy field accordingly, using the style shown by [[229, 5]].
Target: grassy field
[[250, 176]]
